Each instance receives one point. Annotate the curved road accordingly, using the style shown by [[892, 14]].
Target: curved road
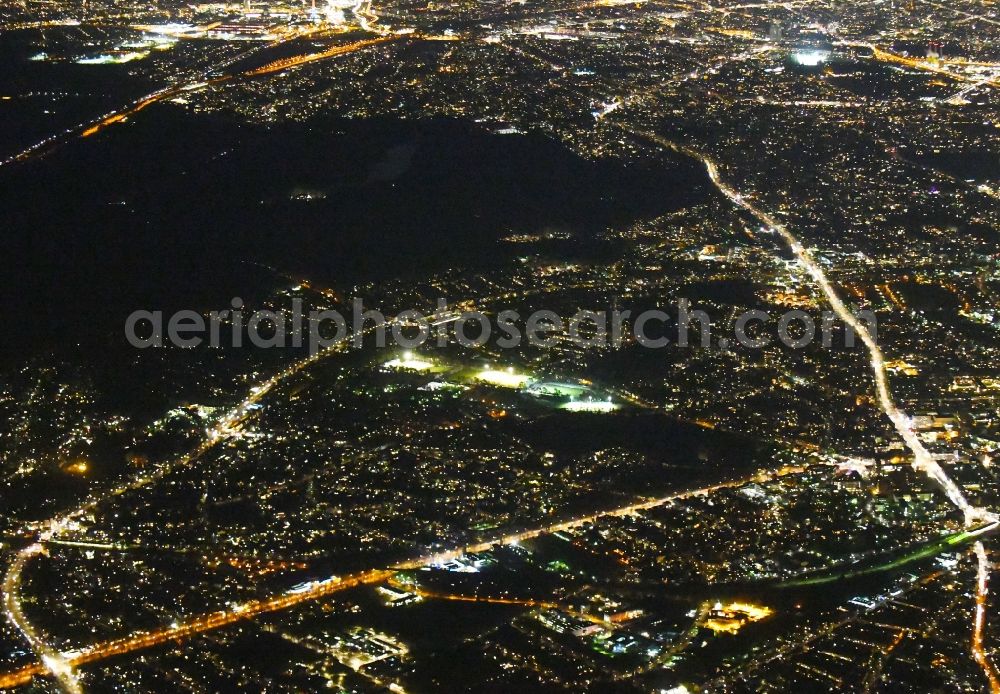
[[54, 661], [923, 462]]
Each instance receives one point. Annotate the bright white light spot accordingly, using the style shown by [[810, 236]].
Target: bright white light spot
[[504, 379], [810, 58], [409, 363], [590, 406]]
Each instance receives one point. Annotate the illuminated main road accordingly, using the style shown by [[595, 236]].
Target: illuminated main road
[[983, 568], [923, 462], [60, 666], [51, 661], [295, 61], [55, 663], [118, 115], [51, 530], [122, 114], [938, 67]]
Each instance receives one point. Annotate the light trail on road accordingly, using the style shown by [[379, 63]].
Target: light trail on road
[[52, 661], [982, 581], [167, 93], [321, 589], [226, 426], [88, 128], [936, 68], [295, 61], [923, 461], [191, 627], [122, 114]]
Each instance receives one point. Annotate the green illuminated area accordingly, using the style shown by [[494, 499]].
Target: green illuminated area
[[584, 512], [923, 551], [579, 396]]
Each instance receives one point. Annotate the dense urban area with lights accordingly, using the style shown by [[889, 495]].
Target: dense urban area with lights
[[455, 514]]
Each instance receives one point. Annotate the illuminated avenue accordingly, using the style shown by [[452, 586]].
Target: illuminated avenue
[[326, 587], [638, 493]]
